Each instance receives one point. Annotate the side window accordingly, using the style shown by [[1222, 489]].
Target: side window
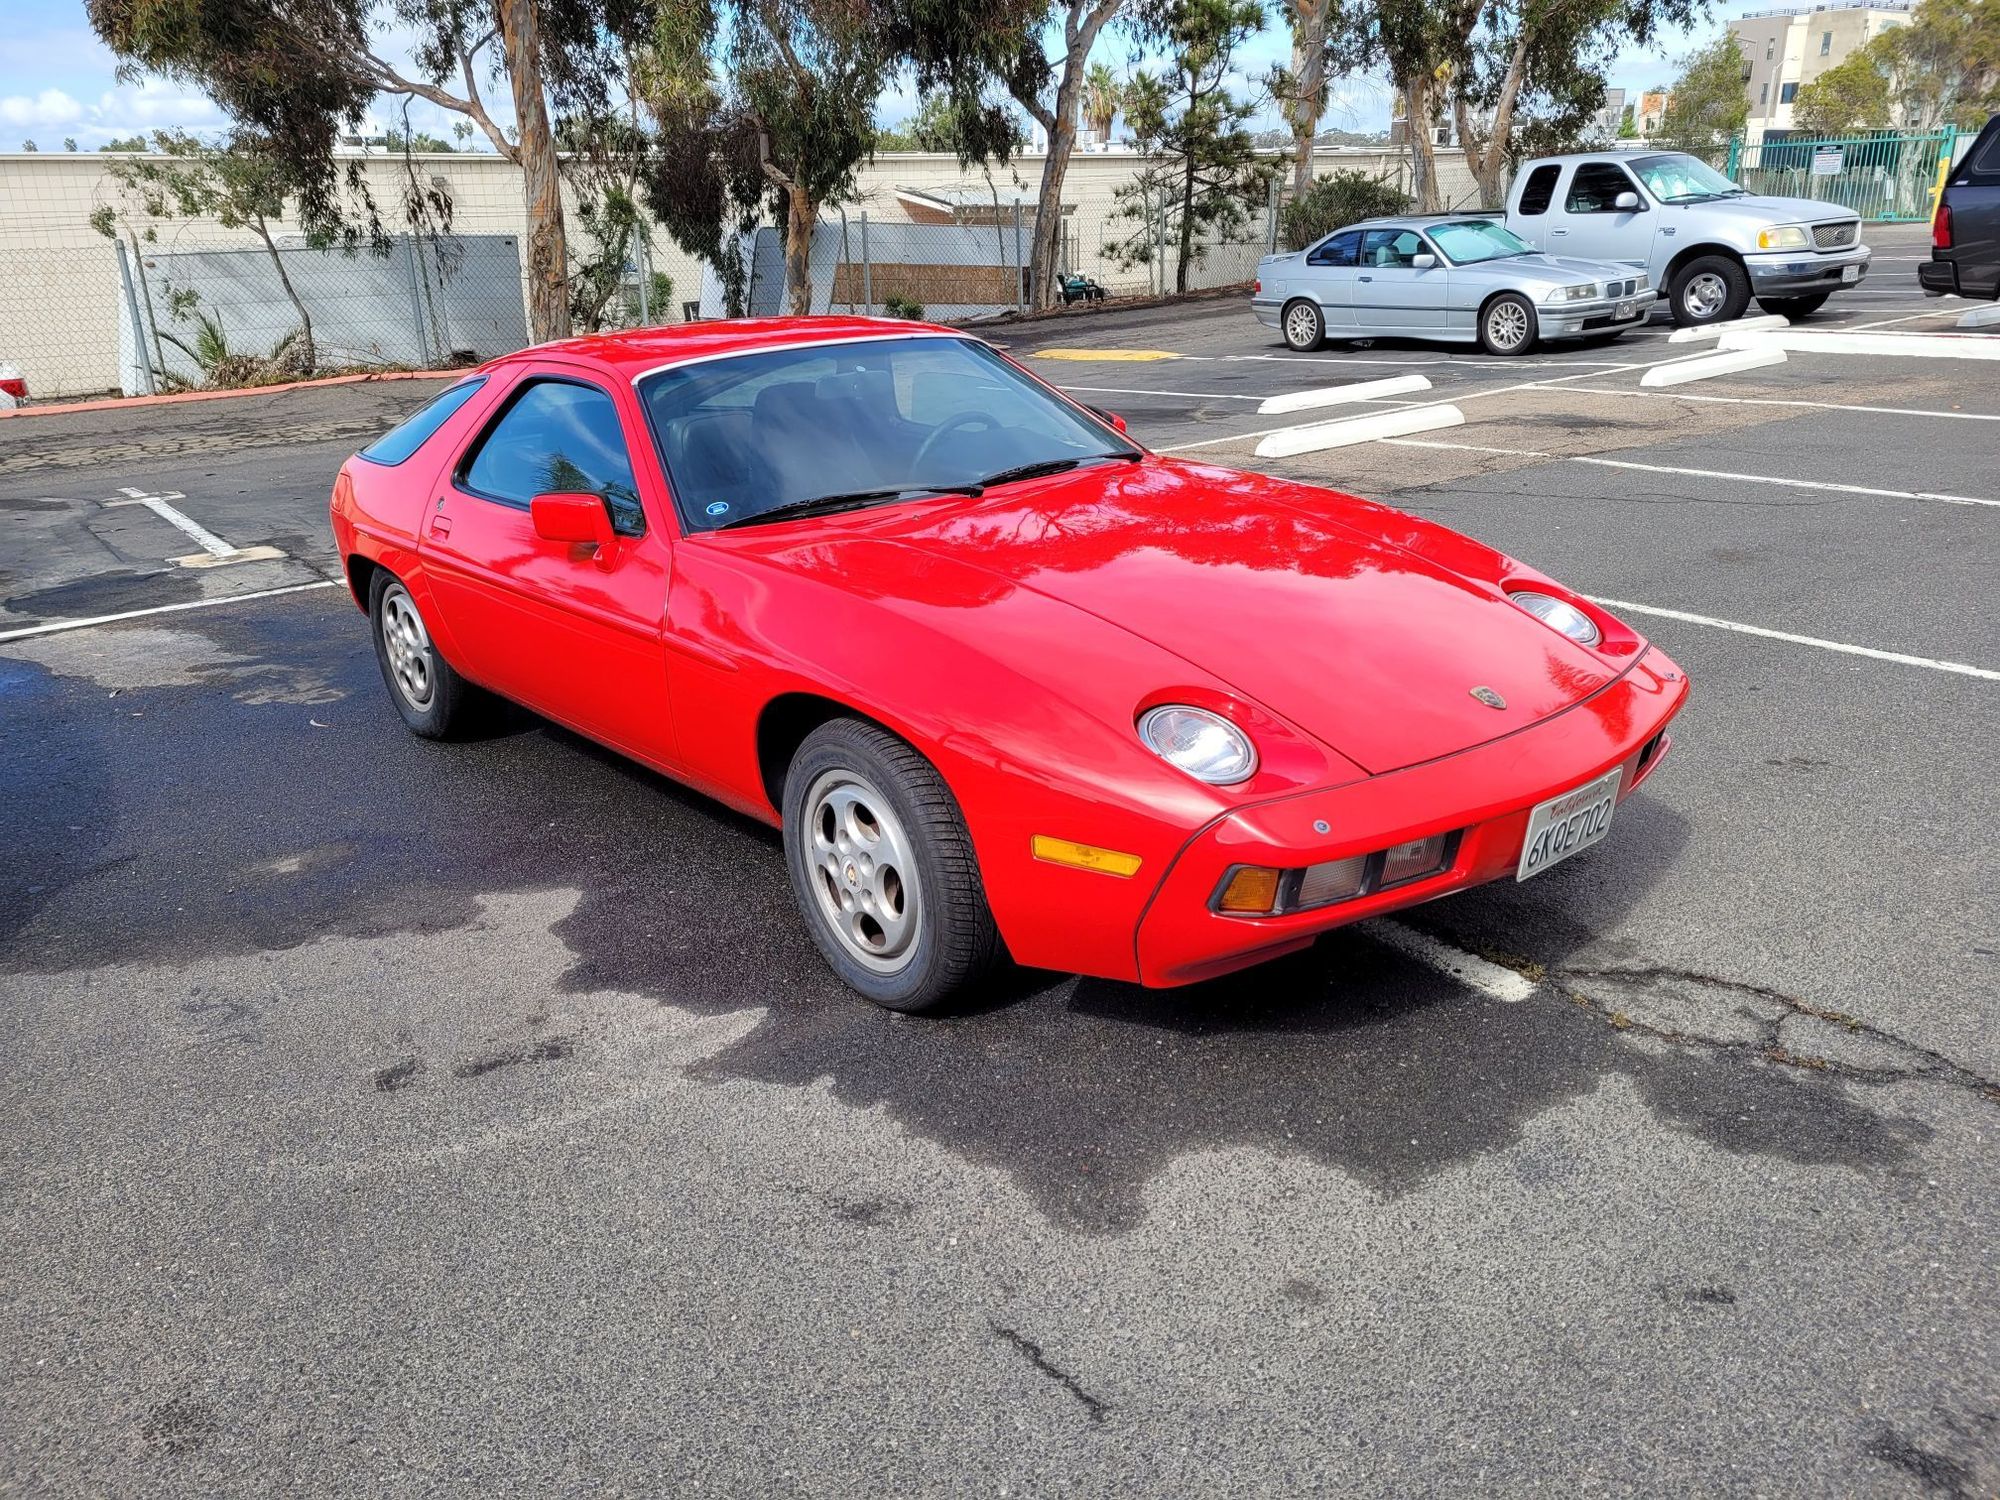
[[1825, 43], [1983, 160], [1342, 249], [1391, 248], [1787, 92], [1540, 190], [1595, 188], [410, 434], [558, 436]]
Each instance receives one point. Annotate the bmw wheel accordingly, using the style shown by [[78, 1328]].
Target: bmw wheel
[[1305, 326], [883, 869], [1709, 289], [433, 699], [1507, 325]]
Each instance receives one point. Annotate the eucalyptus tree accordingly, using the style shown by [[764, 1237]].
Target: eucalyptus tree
[[300, 73]]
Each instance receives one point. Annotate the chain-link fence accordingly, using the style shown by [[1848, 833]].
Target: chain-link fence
[[159, 304]]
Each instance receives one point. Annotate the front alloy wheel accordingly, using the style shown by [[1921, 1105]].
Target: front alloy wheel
[[433, 699], [882, 867], [1508, 325]]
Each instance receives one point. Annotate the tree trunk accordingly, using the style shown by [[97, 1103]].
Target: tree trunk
[[1420, 114], [800, 217], [307, 354], [541, 179], [1080, 29], [1309, 83]]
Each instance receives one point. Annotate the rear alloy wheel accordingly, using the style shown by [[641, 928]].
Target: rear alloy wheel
[[1709, 289], [433, 699], [883, 868], [1507, 325], [1305, 326], [1794, 307]]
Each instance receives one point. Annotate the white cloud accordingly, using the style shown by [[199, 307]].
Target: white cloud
[[49, 107]]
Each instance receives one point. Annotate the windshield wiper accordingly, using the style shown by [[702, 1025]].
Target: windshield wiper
[[826, 505], [1056, 466]]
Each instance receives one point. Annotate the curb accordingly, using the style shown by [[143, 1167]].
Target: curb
[[177, 398]]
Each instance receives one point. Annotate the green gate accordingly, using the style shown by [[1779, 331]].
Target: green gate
[[1881, 176]]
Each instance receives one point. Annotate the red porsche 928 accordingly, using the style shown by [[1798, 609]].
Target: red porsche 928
[[1010, 683]]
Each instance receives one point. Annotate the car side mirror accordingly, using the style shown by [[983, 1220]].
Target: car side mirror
[[579, 519], [1626, 202], [1110, 416], [1423, 260]]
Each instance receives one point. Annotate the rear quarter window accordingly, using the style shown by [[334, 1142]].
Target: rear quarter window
[[1540, 189], [410, 434], [1983, 160]]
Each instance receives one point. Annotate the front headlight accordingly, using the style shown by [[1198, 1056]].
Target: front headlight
[[1206, 746], [1558, 614], [1784, 237], [1574, 293]]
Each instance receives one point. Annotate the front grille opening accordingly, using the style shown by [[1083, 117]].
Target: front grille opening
[[1648, 751], [1833, 236]]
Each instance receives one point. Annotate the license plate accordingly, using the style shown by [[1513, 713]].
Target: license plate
[[1849, 275], [1568, 824], [1623, 311]]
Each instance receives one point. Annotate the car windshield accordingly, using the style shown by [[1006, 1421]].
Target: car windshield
[[868, 422], [1469, 241], [1678, 178]]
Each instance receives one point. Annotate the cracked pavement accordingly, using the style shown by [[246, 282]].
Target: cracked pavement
[[390, 1118]]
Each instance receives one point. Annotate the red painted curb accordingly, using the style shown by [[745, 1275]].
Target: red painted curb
[[120, 403]]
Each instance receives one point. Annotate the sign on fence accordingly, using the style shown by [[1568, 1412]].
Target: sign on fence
[[1827, 161]]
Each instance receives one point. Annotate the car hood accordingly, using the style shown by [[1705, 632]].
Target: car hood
[[1541, 269], [1300, 599], [1756, 211]]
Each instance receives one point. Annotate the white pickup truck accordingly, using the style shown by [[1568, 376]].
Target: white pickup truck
[[1705, 242]]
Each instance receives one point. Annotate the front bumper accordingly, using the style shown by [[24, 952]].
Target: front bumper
[[1487, 792], [1568, 320], [1804, 273]]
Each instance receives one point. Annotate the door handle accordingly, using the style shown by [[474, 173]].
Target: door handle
[[1666, 231], [1364, 278], [1558, 231], [440, 522]]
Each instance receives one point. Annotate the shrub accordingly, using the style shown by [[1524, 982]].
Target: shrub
[[1334, 202], [903, 307]]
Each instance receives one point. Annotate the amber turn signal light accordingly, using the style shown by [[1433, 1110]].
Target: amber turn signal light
[[1085, 856], [1252, 891]]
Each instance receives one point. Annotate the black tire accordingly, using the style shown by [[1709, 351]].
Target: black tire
[[1794, 307], [1709, 289], [1303, 325], [1508, 325], [951, 940], [451, 704]]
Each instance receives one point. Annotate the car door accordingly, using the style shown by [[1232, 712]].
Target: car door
[[572, 630], [1391, 293], [1329, 277], [1587, 221]]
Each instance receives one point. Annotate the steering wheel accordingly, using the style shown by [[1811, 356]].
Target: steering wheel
[[948, 426]]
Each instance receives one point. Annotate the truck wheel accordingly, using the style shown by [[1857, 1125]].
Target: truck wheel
[[1710, 289], [1507, 324], [1793, 307], [1304, 325]]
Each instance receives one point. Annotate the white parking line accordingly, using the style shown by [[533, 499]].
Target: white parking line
[[1935, 665], [1896, 345], [205, 539], [1890, 411], [1797, 484], [1490, 979], [53, 627]]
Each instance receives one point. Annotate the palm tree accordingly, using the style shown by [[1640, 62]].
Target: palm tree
[[1101, 95]]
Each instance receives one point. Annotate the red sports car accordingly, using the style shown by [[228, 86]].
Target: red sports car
[[1009, 683]]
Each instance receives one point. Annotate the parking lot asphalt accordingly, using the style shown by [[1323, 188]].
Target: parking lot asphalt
[[398, 1118]]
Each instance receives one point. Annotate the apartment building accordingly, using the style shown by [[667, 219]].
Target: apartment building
[[1787, 49]]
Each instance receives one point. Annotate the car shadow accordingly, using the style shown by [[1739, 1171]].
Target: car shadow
[[201, 818]]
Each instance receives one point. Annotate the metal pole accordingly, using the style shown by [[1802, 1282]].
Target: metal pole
[[645, 265], [1020, 278], [1271, 221], [867, 269], [152, 318], [1163, 239], [418, 322], [138, 328]]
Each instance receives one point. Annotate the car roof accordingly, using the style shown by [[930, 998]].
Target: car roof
[[1612, 151], [637, 350], [1420, 221]]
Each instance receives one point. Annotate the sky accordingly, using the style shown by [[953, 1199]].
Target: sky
[[58, 81]]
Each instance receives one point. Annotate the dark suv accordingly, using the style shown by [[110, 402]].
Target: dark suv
[[1965, 234]]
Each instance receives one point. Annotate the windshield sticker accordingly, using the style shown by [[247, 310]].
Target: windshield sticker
[[718, 507]]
